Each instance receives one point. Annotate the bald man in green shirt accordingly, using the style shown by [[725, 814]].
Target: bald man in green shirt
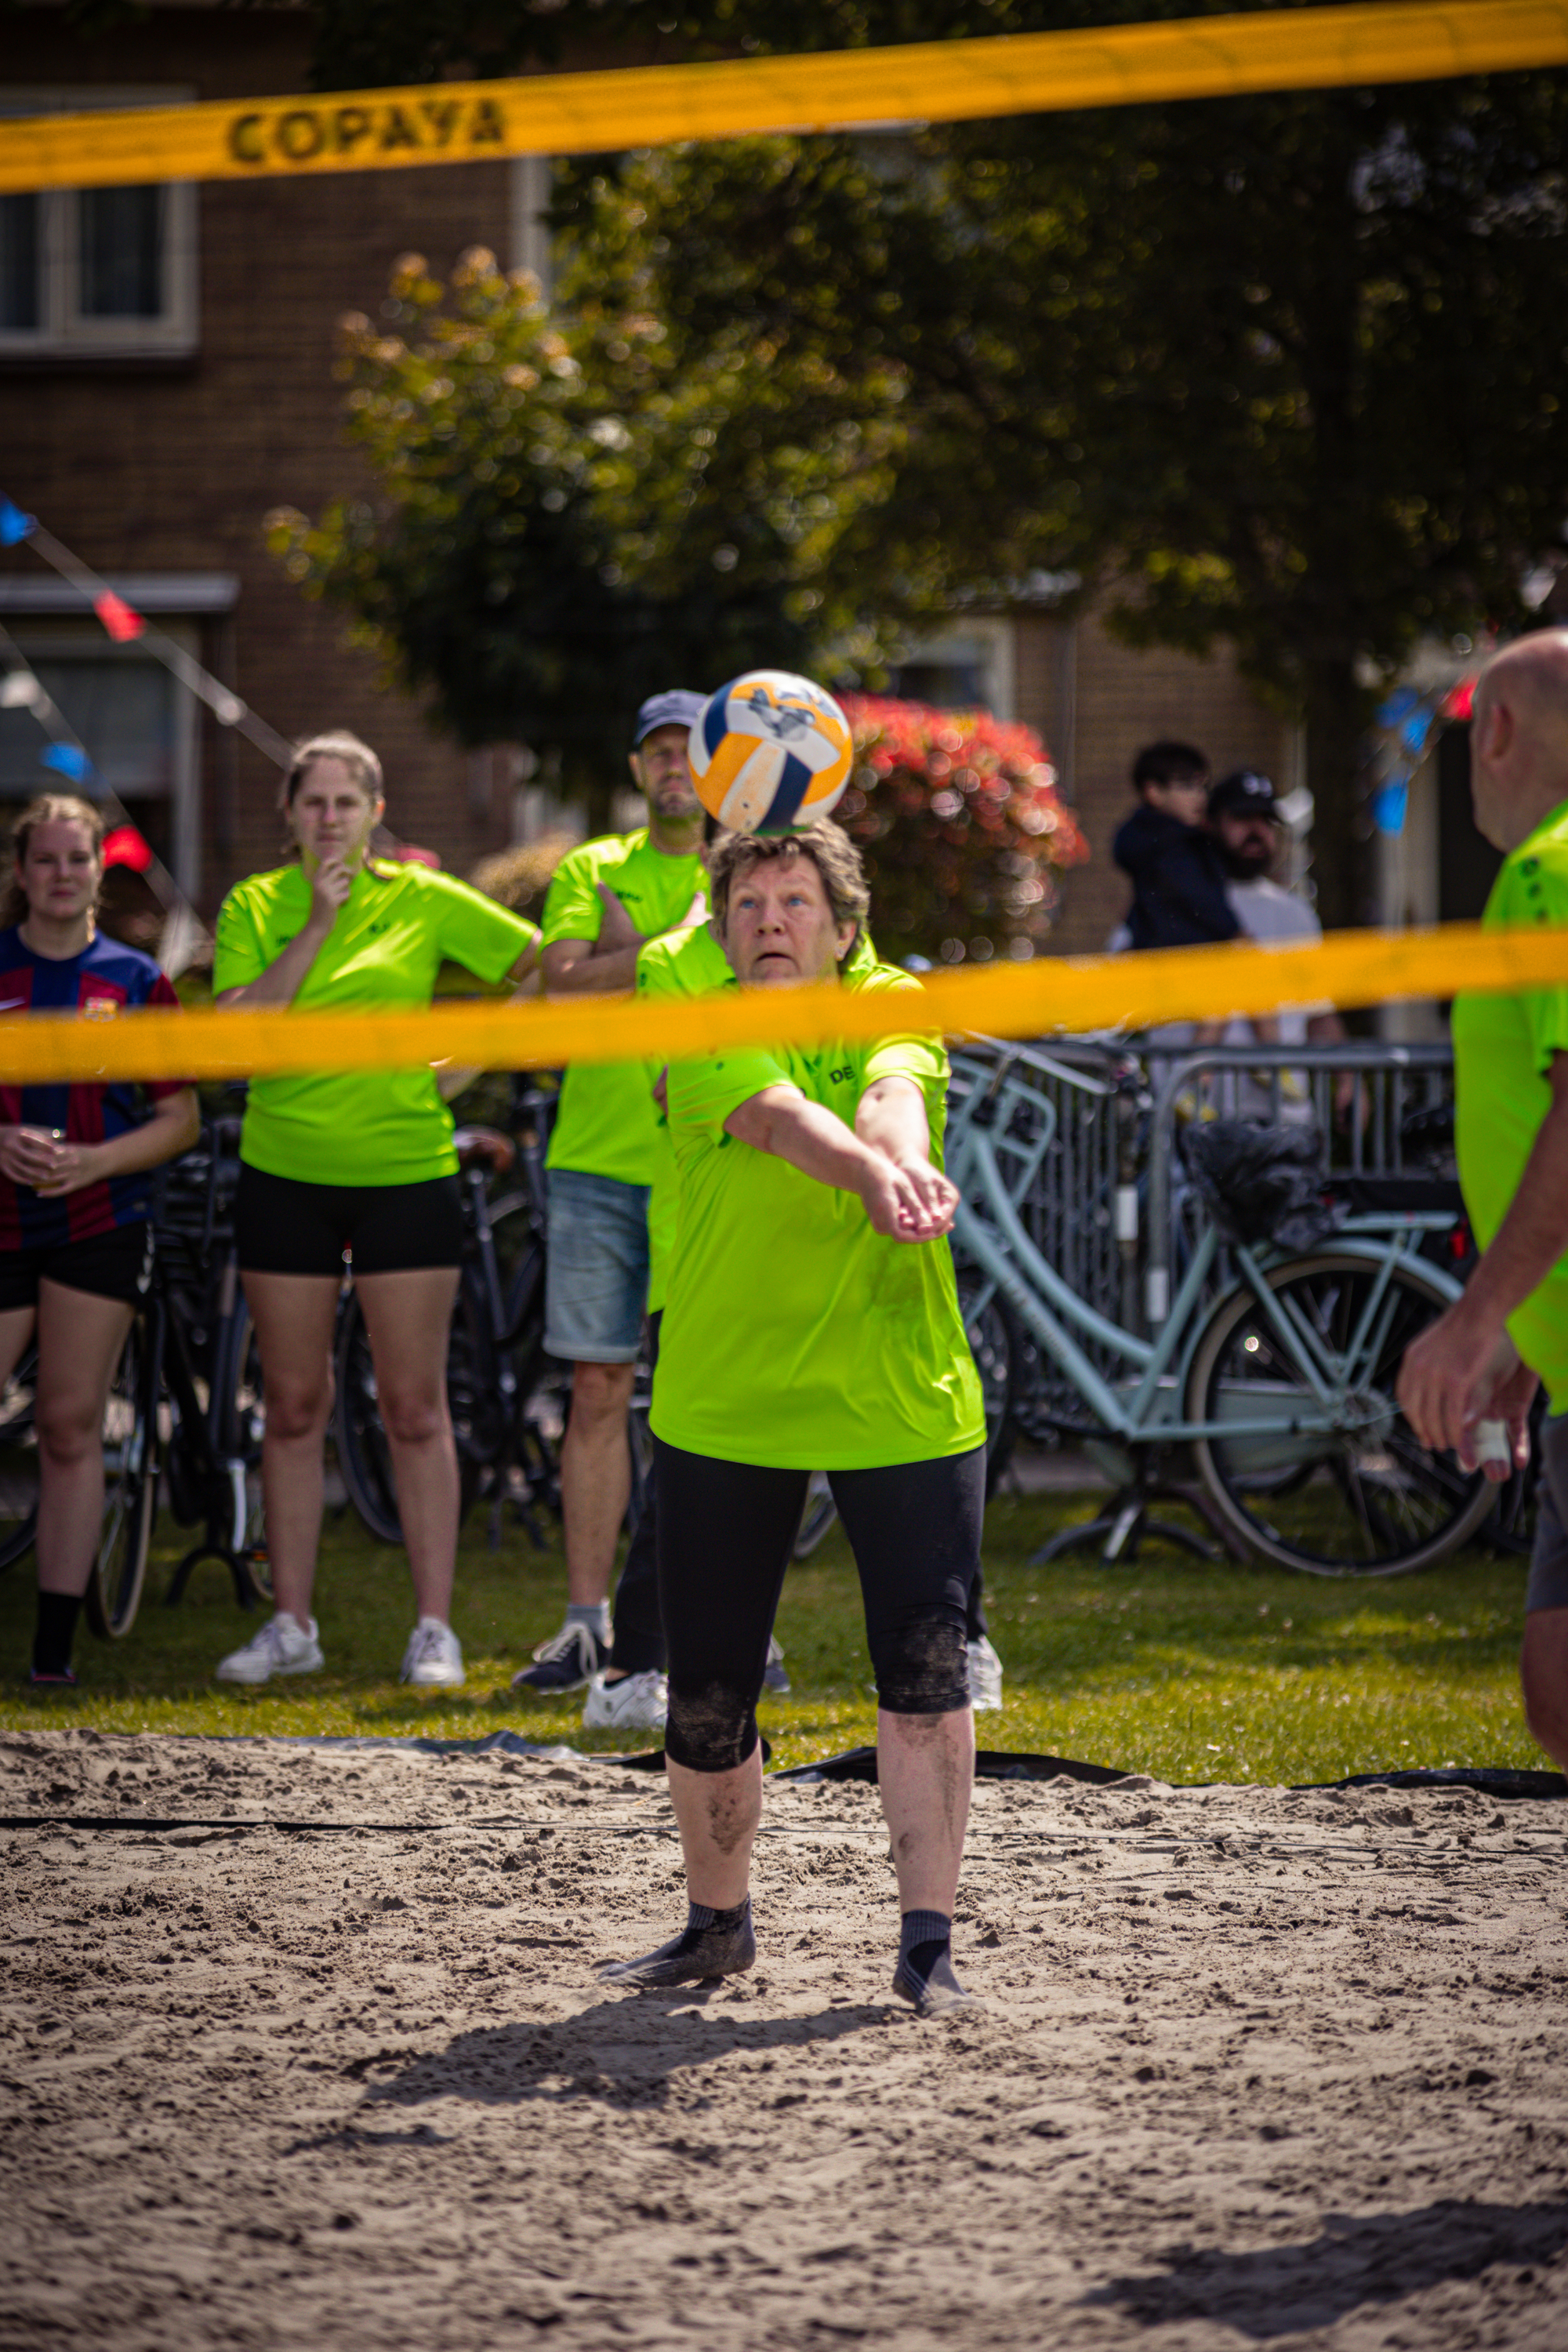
[[1483, 1362]]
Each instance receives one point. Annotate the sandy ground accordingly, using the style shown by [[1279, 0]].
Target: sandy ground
[[1256, 2069]]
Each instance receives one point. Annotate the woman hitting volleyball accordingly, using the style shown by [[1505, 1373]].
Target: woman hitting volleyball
[[361, 1163], [811, 1321]]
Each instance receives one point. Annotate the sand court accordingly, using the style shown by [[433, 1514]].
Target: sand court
[[1256, 2067]]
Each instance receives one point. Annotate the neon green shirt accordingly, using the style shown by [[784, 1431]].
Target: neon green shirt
[[1503, 1047], [605, 1126], [398, 924], [794, 1337], [689, 963]]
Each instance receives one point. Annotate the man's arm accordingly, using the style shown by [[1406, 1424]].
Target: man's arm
[[781, 1121], [594, 967], [589, 967], [1463, 1370]]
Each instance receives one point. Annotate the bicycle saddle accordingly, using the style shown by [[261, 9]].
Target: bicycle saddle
[[485, 1147]]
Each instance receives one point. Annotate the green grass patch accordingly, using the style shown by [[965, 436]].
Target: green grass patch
[[1166, 1666]]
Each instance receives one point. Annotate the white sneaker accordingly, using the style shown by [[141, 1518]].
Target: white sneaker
[[636, 1703], [280, 1648], [984, 1678], [434, 1658]]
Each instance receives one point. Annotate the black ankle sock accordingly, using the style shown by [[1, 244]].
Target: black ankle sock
[[700, 1915], [924, 1975], [57, 1614], [924, 1938]]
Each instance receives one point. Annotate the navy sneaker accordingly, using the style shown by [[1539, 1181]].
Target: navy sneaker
[[567, 1662], [56, 1678]]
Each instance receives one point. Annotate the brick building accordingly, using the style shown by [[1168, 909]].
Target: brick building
[[153, 413], [167, 378]]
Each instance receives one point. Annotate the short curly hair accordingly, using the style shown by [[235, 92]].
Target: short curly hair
[[828, 846]]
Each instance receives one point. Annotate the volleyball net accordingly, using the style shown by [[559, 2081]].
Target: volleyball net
[[1050, 995]]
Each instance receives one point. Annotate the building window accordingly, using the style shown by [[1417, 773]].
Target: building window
[[138, 724], [962, 668], [97, 272]]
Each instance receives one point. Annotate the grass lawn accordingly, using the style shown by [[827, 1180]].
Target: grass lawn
[[1168, 1667]]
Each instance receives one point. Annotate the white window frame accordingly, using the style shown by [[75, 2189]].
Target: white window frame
[[532, 185], [62, 329], [984, 641], [48, 638]]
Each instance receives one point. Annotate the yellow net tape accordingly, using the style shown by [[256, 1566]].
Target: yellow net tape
[[1071, 994], [932, 81]]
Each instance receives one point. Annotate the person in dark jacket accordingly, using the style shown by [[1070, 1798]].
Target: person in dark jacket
[[1177, 867]]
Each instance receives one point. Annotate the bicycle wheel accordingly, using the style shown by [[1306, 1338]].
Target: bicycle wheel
[[1362, 1498], [544, 1382], [242, 1427], [131, 1476], [364, 1457], [18, 1462]]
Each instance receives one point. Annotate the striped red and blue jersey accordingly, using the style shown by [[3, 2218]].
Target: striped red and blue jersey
[[95, 984]]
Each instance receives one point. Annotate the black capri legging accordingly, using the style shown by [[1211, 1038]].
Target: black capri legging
[[725, 1533]]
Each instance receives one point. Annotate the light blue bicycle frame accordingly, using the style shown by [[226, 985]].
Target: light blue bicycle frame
[[1001, 1246]]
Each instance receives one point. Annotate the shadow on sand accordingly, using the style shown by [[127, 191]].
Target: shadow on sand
[[1357, 2258], [626, 2050]]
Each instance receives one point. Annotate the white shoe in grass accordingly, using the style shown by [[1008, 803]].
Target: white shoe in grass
[[434, 1658], [280, 1648], [984, 1678], [635, 1703]]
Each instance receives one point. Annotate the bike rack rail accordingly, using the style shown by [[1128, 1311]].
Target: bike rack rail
[[1394, 1081]]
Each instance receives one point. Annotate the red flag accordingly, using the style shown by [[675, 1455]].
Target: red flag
[[125, 847], [117, 616]]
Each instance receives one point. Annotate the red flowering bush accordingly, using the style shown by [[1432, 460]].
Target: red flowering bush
[[959, 821]]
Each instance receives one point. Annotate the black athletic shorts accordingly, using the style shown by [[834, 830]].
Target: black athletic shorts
[[725, 1533], [117, 1264], [284, 1225]]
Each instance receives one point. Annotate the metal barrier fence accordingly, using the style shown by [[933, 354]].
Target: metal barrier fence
[[1107, 1202], [1361, 1096], [1089, 1093]]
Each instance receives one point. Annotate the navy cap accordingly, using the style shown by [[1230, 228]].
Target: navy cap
[[675, 708], [1243, 793]]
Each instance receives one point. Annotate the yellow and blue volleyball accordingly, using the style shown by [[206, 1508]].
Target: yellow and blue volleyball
[[770, 753]]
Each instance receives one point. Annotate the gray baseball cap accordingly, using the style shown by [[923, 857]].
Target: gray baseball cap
[[674, 708]]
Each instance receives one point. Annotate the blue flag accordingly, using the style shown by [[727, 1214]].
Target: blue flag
[[67, 761]]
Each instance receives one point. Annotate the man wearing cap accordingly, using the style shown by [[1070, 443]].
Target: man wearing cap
[[1244, 817], [608, 898]]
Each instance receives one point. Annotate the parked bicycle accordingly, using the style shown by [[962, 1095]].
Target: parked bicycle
[[508, 1397], [1280, 1390]]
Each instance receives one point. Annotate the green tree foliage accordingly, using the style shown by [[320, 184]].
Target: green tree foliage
[[1285, 372], [568, 519], [1282, 369]]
